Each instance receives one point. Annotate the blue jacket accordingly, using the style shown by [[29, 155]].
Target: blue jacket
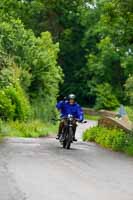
[[73, 109]]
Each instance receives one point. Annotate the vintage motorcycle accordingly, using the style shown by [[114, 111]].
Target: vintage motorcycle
[[67, 135]]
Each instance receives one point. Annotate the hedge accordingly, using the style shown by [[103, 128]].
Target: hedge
[[114, 139]]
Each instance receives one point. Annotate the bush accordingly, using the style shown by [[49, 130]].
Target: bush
[[1, 123], [114, 139], [91, 134], [45, 111], [13, 101], [14, 104], [129, 89], [129, 144], [105, 98], [33, 128], [7, 109], [130, 112], [30, 129], [119, 140], [28, 64], [20, 102]]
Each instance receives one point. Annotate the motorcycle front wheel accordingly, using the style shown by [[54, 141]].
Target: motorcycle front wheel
[[69, 138], [64, 144]]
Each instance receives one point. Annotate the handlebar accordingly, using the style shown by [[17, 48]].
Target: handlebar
[[82, 122]]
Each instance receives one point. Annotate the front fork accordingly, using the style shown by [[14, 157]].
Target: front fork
[[66, 130]]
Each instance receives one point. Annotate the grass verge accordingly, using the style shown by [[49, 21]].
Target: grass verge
[[130, 112], [34, 128], [92, 117], [114, 139]]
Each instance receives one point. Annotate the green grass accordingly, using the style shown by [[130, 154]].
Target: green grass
[[130, 112], [114, 139], [34, 128], [92, 117]]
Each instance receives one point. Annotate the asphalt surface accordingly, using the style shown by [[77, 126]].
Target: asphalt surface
[[39, 169]]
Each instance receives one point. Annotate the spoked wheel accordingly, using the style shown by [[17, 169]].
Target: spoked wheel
[[68, 145], [69, 138], [64, 138]]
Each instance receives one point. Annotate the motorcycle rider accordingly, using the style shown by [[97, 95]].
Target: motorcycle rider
[[67, 107]]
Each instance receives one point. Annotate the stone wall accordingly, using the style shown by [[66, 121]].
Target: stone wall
[[103, 113], [115, 123]]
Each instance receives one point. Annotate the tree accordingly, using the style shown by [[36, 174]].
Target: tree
[[36, 59], [129, 89], [109, 57], [95, 40]]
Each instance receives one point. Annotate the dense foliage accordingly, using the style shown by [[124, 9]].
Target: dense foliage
[[129, 89], [35, 128], [29, 73], [114, 139], [130, 112], [91, 40]]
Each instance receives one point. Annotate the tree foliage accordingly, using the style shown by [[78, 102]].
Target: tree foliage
[[29, 71], [95, 42], [129, 89]]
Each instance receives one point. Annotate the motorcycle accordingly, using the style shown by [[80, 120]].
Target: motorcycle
[[67, 136]]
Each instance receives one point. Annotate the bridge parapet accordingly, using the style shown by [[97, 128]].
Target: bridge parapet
[[122, 123]]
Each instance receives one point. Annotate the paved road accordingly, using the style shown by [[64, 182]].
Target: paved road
[[39, 169]]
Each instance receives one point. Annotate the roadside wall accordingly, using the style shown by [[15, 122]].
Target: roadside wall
[[102, 113], [109, 119]]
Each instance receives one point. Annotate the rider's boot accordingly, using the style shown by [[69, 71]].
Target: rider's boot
[[74, 139], [59, 132], [58, 137]]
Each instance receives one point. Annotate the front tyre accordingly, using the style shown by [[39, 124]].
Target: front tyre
[[68, 145], [64, 144], [69, 138]]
